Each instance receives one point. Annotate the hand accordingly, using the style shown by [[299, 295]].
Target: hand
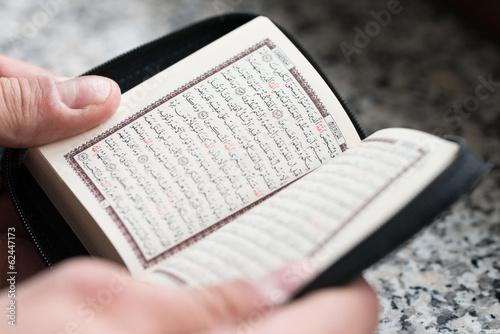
[[37, 107], [84, 296]]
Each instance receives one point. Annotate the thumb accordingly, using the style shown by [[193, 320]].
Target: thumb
[[41, 109], [231, 304]]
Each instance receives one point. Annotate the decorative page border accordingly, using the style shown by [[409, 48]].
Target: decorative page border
[[70, 157]]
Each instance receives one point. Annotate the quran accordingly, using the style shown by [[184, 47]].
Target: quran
[[239, 159]]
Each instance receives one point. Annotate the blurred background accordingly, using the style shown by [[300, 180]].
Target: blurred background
[[429, 65]]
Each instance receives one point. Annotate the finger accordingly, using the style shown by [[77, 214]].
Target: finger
[[224, 306], [41, 109], [14, 68], [51, 300], [101, 293], [351, 309], [174, 310], [94, 293]]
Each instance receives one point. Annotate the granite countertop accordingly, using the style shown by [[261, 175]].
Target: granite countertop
[[412, 72]]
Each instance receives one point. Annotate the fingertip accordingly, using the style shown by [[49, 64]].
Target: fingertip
[[114, 97], [369, 302], [81, 104], [348, 309], [95, 94], [106, 109]]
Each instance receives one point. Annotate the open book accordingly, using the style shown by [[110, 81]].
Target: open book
[[240, 158]]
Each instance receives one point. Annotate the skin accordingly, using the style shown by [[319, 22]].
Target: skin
[[94, 296]]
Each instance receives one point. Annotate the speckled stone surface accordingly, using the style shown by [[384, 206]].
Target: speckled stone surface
[[412, 72]]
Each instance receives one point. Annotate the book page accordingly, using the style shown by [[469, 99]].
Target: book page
[[322, 215], [214, 134]]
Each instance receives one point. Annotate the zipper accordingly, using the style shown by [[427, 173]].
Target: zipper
[[8, 178]]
